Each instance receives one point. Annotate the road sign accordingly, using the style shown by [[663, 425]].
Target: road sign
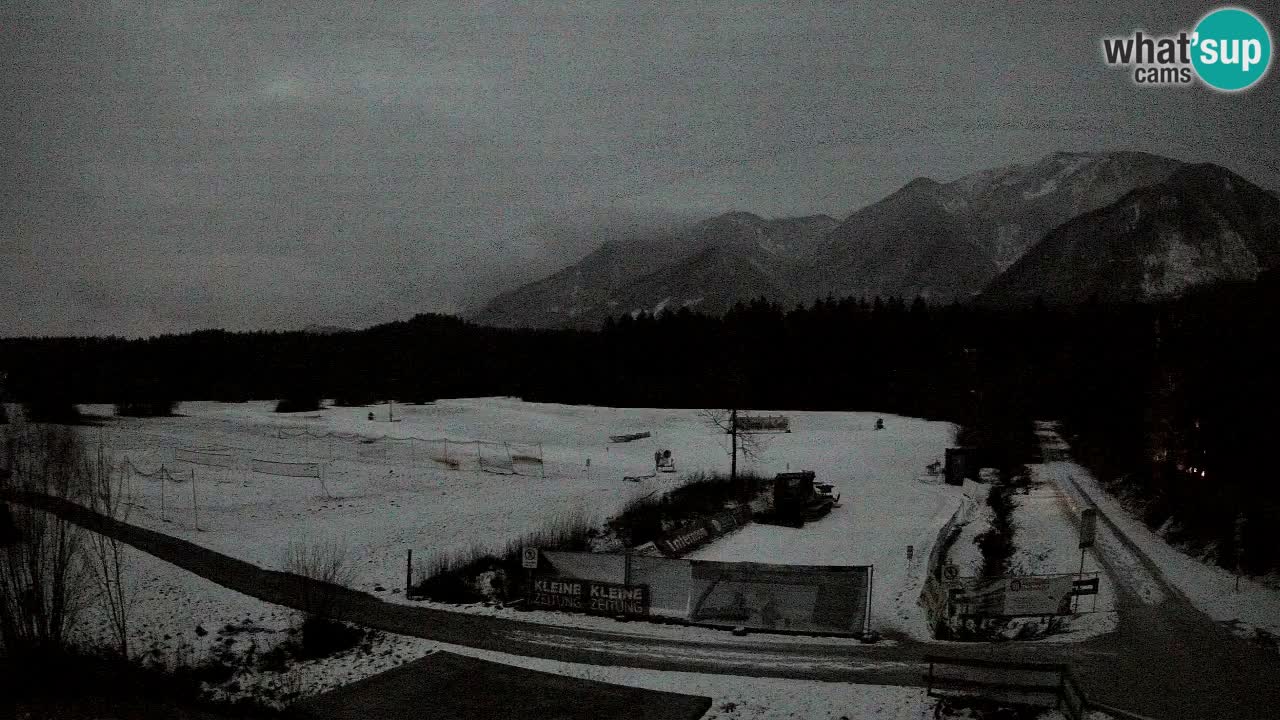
[[1088, 527], [1084, 587], [529, 558], [950, 573]]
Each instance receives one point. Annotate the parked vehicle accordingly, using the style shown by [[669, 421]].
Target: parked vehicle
[[796, 499]]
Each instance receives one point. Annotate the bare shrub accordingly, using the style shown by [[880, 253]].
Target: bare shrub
[[42, 574], [326, 567], [146, 408], [477, 573], [301, 403], [51, 410]]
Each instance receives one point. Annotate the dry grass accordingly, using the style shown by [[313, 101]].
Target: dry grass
[[455, 576]]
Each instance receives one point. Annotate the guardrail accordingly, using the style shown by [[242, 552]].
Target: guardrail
[[1028, 683]]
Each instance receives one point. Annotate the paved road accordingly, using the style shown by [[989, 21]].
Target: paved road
[[1167, 661], [1170, 660]]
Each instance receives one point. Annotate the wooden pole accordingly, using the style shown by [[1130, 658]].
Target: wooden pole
[[195, 504], [1076, 605], [408, 573]]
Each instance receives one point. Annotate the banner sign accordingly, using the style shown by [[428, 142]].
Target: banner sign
[[1014, 596], [589, 596], [683, 541], [1085, 587], [799, 598], [1088, 527], [1038, 595], [557, 594], [610, 599], [687, 539]]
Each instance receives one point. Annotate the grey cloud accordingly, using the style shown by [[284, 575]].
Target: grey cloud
[[182, 165]]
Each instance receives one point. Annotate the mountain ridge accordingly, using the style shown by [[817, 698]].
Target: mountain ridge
[[944, 241], [1203, 225]]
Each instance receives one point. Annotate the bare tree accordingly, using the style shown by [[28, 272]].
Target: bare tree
[[107, 556], [42, 572], [748, 444]]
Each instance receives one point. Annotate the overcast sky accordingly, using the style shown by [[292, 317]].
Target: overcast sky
[[172, 166]]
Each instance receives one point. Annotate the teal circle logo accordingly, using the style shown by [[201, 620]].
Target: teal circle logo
[[1231, 49]]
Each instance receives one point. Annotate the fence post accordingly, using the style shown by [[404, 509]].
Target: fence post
[[195, 505], [871, 577], [408, 573]]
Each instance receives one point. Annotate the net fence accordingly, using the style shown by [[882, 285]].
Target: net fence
[[300, 448], [204, 457], [287, 469]]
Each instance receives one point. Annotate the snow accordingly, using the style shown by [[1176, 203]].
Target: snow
[[170, 604], [1070, 164], [169, 607], [1047, 542], [383, 506], [964, 552], [1211, 589], [887, 503], [387, 498], [1181, 265]]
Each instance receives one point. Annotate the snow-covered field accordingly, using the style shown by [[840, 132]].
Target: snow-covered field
[[171, 607], [384, 498], [178, 618]]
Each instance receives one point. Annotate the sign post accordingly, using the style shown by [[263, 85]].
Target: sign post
[[529, 561], [1239, 547], [1088, 533]]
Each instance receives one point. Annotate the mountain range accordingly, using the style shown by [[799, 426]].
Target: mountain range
[[1120, 225]]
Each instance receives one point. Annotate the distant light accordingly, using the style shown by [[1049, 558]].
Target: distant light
[[1201, 473]]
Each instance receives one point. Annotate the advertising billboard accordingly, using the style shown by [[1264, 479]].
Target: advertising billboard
[[800, 598], [589, 596]]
